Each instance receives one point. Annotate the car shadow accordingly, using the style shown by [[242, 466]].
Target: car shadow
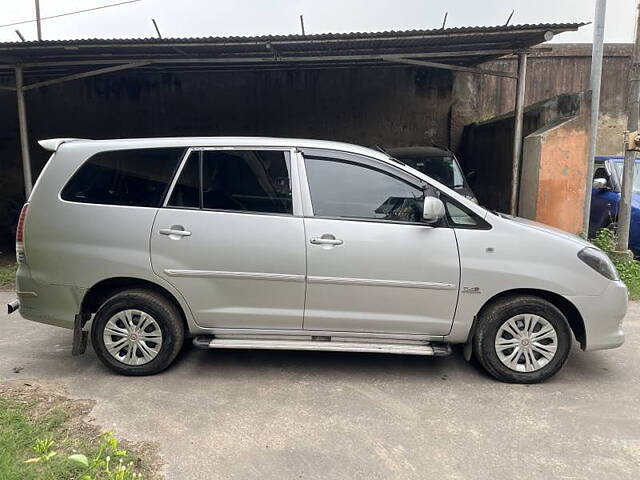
[[57, 362], [229, 363], [336, 365]]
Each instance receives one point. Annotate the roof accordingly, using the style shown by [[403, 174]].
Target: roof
[[122, 143], [464, 46]]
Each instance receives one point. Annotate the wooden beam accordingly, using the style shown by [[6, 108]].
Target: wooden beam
[[90, 73], [446, 66]]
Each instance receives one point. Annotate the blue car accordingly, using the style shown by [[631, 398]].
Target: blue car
[[605, 198]]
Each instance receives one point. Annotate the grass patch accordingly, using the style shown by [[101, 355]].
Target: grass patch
[[8, 269], [629, 271], [44, 436], [8, 275]]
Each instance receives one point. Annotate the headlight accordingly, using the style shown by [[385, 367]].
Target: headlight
[[599, 261]]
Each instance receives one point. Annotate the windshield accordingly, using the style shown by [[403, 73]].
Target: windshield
[[636, 175], [443, 169]]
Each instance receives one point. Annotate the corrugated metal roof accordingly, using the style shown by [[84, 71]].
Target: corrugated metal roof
[[460, 46], [555, 27]]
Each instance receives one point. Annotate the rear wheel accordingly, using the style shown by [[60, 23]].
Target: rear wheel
[[137, 332], [523, 339]]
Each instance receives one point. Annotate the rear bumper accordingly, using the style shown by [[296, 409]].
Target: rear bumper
[[602, 316], [51, 304]]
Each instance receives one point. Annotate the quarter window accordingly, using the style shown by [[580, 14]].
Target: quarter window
[[459, 216], [343, 189], [236, 180], [124, 177]]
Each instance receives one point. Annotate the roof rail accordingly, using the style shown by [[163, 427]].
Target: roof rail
[[52, 144]]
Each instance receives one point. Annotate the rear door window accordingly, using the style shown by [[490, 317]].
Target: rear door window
[[235, 180], [136, 178]]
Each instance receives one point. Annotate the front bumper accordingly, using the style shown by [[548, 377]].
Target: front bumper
[[602, 315]]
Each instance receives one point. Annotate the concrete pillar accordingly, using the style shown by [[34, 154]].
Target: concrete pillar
[[464, 108]]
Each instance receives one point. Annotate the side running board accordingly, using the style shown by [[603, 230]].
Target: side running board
[[324, 344]]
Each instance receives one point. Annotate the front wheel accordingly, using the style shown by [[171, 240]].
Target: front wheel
[[522, 339], [137, 332]]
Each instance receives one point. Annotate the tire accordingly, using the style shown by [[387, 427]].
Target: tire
[[126, 348], [540, 354]]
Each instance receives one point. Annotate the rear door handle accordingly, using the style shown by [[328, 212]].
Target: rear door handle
[[326, 241], [172, 231]]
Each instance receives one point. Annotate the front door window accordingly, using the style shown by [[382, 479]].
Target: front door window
[[345, 190]]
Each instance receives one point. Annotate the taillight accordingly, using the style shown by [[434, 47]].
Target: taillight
[[20, 234]]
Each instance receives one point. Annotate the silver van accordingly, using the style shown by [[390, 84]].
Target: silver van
[[297, 244]]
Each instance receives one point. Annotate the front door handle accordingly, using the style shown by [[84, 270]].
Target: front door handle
[[175, 231], [325, 241]]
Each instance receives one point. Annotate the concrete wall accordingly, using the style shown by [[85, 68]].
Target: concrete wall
[[487, 146], [368, 106], [554, 174], [552, 70]]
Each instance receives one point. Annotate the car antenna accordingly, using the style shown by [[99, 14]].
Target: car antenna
[[379, 148]]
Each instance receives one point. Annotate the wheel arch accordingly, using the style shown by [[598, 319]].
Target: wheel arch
[[568, 309], [101, 291]]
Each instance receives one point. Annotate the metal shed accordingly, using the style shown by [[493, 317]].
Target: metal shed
[[26, 66]]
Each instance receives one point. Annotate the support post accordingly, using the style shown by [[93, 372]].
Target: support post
[[596, 78], [24, 138], [157, 29], [624, 212], [38, 20], [517, 132]]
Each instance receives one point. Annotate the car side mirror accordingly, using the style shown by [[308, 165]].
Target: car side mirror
[[433, 210], [600, 183]]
